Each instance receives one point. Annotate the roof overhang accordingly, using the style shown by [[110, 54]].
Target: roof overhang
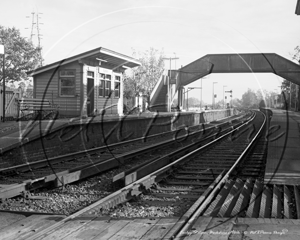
[[298, 7], [110, 59]]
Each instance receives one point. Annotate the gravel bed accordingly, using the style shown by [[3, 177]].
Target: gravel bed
[[81, 194], [64, 200], [143, 207], [74, 196]]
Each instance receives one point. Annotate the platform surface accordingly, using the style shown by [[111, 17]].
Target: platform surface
[[283, 160], [17, 226], [89, 227], [13, 133]]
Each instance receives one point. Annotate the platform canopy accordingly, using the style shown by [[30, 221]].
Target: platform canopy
[[99, 57], [239, 63]]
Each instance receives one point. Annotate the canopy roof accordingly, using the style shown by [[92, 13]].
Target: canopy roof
[[109, 59]]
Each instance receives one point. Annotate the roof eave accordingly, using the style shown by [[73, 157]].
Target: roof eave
[[129, 62]]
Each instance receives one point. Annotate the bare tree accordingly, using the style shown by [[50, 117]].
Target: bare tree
[[143, 78]]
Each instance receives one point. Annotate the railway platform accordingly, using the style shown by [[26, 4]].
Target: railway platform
[[283, 162], [13, 134], [90, 227]]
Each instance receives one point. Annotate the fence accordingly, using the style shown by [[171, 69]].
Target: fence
[[11, 107]]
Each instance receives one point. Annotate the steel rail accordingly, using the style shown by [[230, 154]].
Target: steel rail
[[70, 156], [212, 194], [75, 174], [132, 189]]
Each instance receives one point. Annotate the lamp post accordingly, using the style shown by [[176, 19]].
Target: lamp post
[[290, 96], [231, 97], [213, 99], [224, 86], [201, 96], [3, 75], [296, 96], [187, 99]]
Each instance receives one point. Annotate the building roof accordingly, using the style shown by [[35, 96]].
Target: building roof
[[110, 59]]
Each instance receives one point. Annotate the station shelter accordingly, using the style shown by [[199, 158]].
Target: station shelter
[[85, 84]]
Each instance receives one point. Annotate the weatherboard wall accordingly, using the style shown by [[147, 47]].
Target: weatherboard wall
[[46, 86]]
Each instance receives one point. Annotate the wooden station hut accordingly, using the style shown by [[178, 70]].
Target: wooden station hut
[[84, 84]]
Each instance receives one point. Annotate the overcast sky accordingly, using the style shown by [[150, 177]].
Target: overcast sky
[[188, 29]]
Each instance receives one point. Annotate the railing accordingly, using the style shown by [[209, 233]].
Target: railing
[[11, 107]]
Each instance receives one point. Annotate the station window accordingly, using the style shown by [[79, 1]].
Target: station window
[[67, 83], [104, 85], [107, 88], [90, 74], [117, 86], [101, 88]]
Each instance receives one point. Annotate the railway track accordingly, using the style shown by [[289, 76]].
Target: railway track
[[217, 196], [194, 176], [196, 171], [68, 168]]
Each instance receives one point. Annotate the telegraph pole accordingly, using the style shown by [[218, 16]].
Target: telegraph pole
[[35, 30], [168, 82]]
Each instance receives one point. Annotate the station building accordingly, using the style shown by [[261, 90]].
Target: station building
[[84, 84]]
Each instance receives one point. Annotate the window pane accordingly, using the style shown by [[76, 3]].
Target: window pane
[[101, 91], [90, 74], [68, 91], [117, 89], [101, 84], [102, 76], [101, 88], [117, 78], [107, 88], [108, 76], [67, 82]]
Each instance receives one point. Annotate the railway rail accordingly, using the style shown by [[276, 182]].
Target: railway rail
[[219, 195], [73, 167], [196, 175]]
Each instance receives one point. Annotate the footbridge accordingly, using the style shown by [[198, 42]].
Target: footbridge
[[168, 86]]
